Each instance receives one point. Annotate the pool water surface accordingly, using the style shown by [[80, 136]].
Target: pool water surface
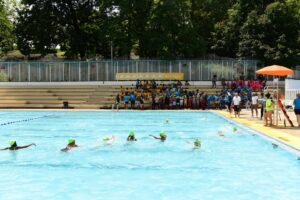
[[239, 166]]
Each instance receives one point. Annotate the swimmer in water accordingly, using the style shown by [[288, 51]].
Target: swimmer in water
[[109, 140], [71, 144], [167, 121], [204, 118], [131, 136], [162, 136], [196, 143], [14, 146], [221, 134], [235, 129]]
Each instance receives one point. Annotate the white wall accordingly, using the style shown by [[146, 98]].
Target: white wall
[[292, 88], [292, 84]]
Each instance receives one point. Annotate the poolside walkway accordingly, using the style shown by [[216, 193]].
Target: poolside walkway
[[289, 135]]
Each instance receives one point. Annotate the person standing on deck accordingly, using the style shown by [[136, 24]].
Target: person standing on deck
[[297, 108], [236, 104], [269, 110], [117, 102], [132, 100], [214, 81], [254, 104], [126, 100], [262, 101]]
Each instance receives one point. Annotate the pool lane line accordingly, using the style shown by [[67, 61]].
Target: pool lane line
[[24, 120], [290, 141]]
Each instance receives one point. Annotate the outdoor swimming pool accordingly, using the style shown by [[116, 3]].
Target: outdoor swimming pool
[[239, 166]]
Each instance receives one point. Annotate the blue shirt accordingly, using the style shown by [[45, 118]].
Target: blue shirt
[[297, 103], [227, 99], [132, 97], [126, 98]]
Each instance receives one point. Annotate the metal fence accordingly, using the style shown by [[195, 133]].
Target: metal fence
[[194, 70]]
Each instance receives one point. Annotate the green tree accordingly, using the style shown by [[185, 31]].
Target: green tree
[[6, 30], [38, 27], [171, 33], [75, 16], [273, 35], [226, 36], [43, 25], [206, 13]]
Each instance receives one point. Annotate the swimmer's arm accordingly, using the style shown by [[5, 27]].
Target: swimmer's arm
[[4, 149], [23, 147], [158, 138], [65, 149]]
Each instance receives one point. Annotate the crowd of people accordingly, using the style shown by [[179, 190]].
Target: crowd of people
[[178, 95], [232, 96]]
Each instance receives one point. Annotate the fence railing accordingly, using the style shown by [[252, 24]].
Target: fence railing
[[194, 70]]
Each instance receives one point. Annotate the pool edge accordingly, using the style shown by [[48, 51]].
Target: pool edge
[[264, 132]]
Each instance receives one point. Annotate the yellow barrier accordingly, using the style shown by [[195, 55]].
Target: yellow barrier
[[149, 76]]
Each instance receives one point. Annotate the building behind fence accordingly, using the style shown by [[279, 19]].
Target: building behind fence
[[194, 70]]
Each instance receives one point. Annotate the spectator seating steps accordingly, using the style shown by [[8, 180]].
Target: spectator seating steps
[[81, 97]]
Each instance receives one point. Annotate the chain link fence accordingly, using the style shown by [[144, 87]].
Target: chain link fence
[[194, 70]]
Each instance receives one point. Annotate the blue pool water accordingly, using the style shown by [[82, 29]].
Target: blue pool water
[[238, 167]]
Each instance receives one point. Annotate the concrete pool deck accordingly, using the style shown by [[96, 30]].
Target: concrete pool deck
[[288, 135]]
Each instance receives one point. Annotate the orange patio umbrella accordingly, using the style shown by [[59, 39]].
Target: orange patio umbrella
[[275, 70]]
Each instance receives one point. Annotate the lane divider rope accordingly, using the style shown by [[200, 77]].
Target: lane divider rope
[[24, 120]]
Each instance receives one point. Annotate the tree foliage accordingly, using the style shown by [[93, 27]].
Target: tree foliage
[[6, 29], [264, 30], [267, 30]]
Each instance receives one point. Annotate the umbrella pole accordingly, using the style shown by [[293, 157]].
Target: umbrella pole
[[277, 106]]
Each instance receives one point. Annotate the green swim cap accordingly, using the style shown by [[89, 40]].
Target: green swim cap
[[162, 134], [235, 129], [105, 138], [12, 142], [71, 140], [131, 133], [197, 142]]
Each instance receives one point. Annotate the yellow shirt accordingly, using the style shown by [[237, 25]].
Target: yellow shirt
[[269, 105]]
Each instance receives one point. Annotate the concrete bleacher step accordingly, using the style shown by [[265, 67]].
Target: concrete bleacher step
[[44, 101], [24, 94], [102, 102], [75, 97], [13, 102], [71, 91], [30, 106], [110, 97], [86, 106], [71, 95], [23, 90], [27, 97], [80, 97]]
